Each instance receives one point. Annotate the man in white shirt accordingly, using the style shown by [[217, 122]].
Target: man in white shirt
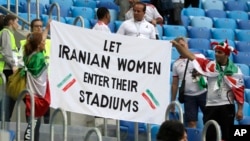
[[152, 15], [103, 16], [138, 26]]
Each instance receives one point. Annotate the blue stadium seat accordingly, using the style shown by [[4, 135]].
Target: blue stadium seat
[[242, 35], [175, 54], [224, 23], [247, 95], [247, 82], [199, 32], [185, 20], [109, 5], [242, 46], [154, 131], [199, 43], [245, 121], [194, 134], [160, 30], [243, 24], [113, 15], [244, 68], [64, 10], [242, 58], [45, 19], [85, 12], [192, 11], [174, 31], [200, 123], [117, 25], [201, 21], [232, 5], [33, 8], [85, 3], [223, 33], [25, 16], [213, 4], [70, 20], [128, 127], [215, 13], [237, 15]]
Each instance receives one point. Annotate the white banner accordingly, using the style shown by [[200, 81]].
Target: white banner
[[109, 75]]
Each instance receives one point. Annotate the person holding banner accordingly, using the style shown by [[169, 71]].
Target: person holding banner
[[36, 72], [103, 16], [151, 15], [195, 87], [225, 86], [172, 130], [138, 26]]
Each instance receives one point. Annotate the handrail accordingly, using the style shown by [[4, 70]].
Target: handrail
[[118, 133], [37, 9], [58, 10], [17, 8], [93, 130], [105, 126], [179, 109], [64, 115], [77, 19], [136, 126], [149, 132], [217, 128], [28, 13], [23, 20], [20, 98], [3, 100]]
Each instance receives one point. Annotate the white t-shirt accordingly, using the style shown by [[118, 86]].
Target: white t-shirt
[[141, 29], [101, 26], [191, 86]]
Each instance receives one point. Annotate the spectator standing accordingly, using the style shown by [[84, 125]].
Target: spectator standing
[[8, 55], [124, 7], [151, 15], [138, 26], [195, 87], [103, 16], [225, 85]]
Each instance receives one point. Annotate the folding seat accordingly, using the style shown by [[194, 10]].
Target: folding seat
[[243, 46], [194, 134], [174, 31], [63, 2], [235, 5], [185, 20], [85, 3], [25, 17], [223, 33], [237, 15], [64, 10], [224, 23], [160, 31], [213, 4], [154, 132], [199, 32], [244, 68], [243, 24], [247, 95], [215, 13], [109, 5], [247, 82], [45, 18], [85, 12], [201, 21], [128, 127], [242, 57], [70, 20], [113, 15], [200, 123], [117, 25], [242, 35], [33, 8], [192, 11], [175, 54], [199, 43]]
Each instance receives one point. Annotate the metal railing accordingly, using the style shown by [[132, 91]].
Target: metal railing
[[93, 130], [175, 103], [64, 115], [79, 18], [32, 119], [57, 8], [217, 128], [3, 100]]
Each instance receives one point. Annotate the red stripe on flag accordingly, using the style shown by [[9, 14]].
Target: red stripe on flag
[[69, 84], [148, 100]]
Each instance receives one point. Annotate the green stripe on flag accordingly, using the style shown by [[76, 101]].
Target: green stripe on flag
[[152, 97]]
